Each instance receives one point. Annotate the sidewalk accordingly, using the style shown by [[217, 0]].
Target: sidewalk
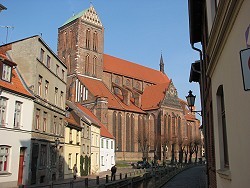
[[80, 181], [194, 177]]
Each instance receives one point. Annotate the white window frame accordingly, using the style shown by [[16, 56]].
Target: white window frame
[[6, 75], [4, 158], [17, 114], [102, 160], [3, 110]]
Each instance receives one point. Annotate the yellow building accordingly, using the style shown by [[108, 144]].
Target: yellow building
[[95, 148], [72, 146]]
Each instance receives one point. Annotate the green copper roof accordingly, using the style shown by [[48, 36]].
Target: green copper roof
[[75, 17]]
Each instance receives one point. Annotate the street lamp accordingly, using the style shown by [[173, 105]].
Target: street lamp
[[191, 100]]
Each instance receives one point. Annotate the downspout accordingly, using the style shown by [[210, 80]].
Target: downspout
[[202, 105]]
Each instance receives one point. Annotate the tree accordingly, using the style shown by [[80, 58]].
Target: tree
[[196, 145], [174, 142], [182, 147], [186, 152], [85, 165], [191, 150], [144, 147], [165, 140]]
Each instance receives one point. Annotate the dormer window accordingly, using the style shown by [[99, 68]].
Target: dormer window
[[6, 72]]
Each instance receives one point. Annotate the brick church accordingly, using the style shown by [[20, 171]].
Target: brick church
[[137, 104]]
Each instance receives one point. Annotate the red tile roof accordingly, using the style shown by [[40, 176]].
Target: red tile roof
[[15, 85], [72, 119], [153, 95], [99, 89], [104, 130], [133, 70]]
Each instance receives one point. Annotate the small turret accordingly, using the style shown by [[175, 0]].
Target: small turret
[[162, 65]]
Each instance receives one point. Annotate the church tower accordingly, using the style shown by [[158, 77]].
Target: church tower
[[162, 65], [80, 44]]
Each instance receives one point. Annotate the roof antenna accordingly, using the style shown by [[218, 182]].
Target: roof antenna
[[73, 13], [41, 34], [7, 29], [91, 4]]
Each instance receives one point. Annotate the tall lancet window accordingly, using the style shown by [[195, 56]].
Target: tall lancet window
[[94, 65], [87, 64], [95, 41], [88, 39]]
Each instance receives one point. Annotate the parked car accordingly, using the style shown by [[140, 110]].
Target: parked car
[[141, 165]]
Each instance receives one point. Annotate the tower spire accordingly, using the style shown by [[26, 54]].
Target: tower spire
[[162, 65]]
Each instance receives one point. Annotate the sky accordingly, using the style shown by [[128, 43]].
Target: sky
[[135, 30]]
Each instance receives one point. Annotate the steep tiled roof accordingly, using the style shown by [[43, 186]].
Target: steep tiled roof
[[131, 107], [153, 95], [126, 68], [71, 119], [99, 89], [15, 85], [104, 130]]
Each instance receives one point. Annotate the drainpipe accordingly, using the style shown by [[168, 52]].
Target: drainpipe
[[202, 104]]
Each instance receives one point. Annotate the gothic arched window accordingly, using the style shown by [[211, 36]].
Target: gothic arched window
[[128, 132], [88, 39], [94, 65], [119, 135], [169, 127], [95, 41], [87, 64], [132, 132], [179, 128]]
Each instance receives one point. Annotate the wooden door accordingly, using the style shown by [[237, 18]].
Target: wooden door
[[21, 166]]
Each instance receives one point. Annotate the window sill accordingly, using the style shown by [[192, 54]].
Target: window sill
[[224, 173]]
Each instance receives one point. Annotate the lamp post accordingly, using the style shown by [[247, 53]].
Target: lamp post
[[191, 100]]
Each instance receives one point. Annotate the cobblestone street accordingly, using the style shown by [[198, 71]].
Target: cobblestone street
[[191, 178]]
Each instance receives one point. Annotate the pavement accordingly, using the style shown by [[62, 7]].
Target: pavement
[[194, 177], [80, 181]]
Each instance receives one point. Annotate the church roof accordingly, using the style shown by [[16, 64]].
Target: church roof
[[104, 130], [133, 70], [88, 15], [99, 89], [153, 95]]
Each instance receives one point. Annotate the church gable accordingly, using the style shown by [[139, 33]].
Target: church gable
[[91, 16], [171, 97]]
